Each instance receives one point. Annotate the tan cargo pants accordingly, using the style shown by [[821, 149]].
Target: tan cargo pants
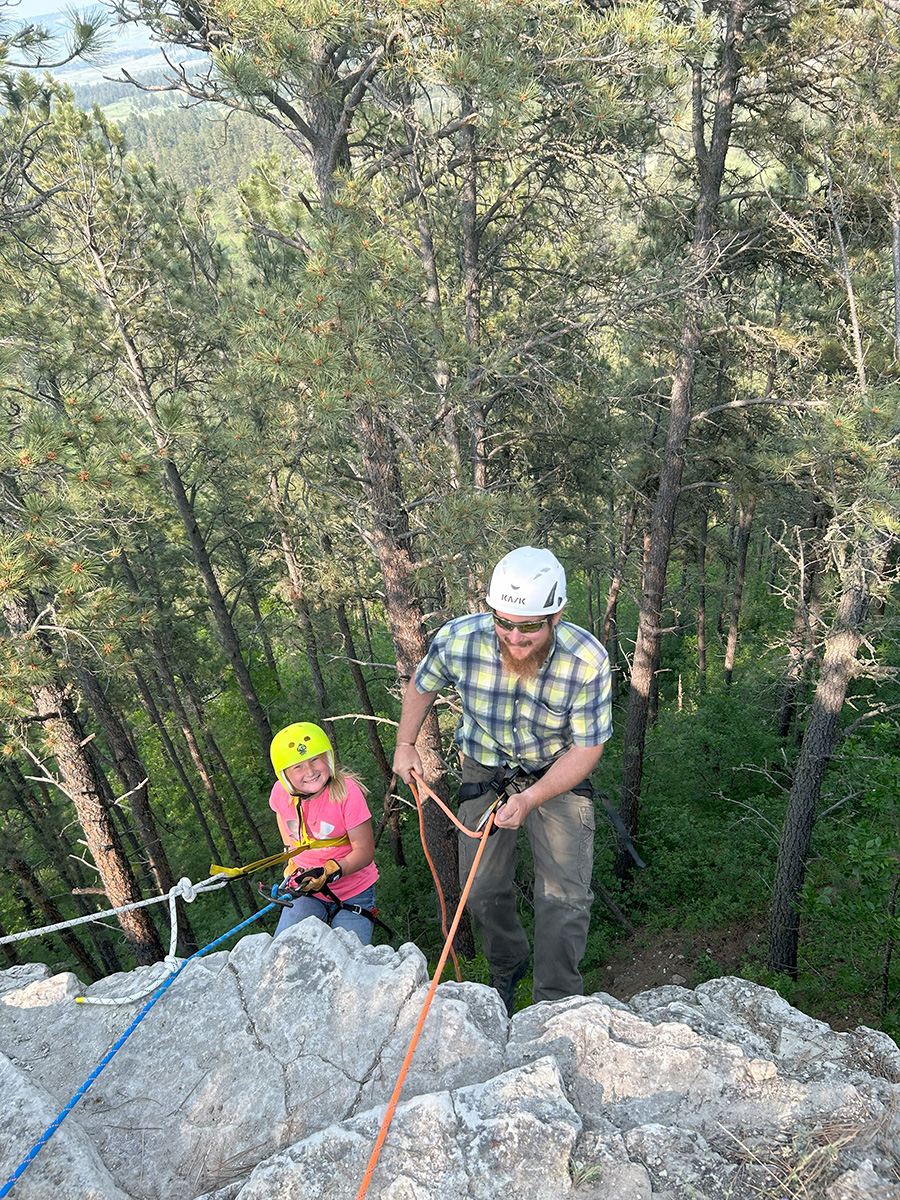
[[561, 833]]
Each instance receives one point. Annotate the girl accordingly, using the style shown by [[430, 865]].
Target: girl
[[321, 809]]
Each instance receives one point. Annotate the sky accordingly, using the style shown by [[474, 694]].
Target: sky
[[27, 10]]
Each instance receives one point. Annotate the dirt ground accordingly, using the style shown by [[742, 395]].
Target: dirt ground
[[672, 956], [648, 960]]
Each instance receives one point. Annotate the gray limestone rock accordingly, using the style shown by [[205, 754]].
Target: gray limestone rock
[[262, 1073]]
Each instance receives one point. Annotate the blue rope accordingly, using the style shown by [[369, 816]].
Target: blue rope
[[51, 1129]]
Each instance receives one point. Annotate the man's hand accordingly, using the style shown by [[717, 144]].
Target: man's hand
[[407, 760], [415, 708], [314, 878], [512, 814]]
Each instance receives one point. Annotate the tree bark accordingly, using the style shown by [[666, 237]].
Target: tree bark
[[710, 163], [390, 539], [56, 847], [56, 715], [472, 293], [134, 779], [362, 691], [145, 404], [53, 916], [838, 668], [225, 629], [441, 370], [212, 796], [175, 760], [801, 647], [701, 599], [745, 522], [301, 608]]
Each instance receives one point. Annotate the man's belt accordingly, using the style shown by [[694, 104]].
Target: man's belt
[[505, 775]]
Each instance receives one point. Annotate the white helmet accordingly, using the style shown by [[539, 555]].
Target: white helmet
[[528, 581]]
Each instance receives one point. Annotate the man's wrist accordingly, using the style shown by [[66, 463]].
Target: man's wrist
[[404, 743]]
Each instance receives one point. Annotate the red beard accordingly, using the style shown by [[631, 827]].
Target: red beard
[[525, 668]]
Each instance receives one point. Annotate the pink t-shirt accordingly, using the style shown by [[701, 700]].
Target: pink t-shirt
[[325, 818]]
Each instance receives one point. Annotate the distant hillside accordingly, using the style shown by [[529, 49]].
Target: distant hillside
[[195, 147], [198, 147]]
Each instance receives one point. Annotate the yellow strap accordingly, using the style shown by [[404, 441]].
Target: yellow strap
[[274, 859], [233, 872], [316, 844]]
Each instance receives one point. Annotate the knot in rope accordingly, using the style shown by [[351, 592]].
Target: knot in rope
[[186, 890]]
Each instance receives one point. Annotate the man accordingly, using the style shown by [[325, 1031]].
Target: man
[[535, 695]]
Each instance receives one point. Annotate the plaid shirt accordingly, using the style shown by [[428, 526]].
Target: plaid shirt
[[528, 722]]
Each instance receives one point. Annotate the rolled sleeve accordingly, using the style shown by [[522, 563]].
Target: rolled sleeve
[[591, 715], [432, 674]]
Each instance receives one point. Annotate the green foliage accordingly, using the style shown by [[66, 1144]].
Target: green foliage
[[465, 243]]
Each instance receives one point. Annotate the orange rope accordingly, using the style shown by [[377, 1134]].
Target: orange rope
[[392, 1103], [439, 802], [433, 869]]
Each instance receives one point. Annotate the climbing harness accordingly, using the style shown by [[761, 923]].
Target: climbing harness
[[58, 1120], [506, 775], [285, 896]]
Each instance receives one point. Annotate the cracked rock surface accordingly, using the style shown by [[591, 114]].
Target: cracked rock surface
[[263, 1073]]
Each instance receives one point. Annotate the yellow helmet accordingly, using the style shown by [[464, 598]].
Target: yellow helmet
[[295, 744]]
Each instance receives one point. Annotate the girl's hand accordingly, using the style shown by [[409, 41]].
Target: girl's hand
[[314, 878]]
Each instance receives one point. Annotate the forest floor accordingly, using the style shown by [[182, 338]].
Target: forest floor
[[646, 960]]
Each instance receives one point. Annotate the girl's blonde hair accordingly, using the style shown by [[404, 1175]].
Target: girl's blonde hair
[[337, 787]]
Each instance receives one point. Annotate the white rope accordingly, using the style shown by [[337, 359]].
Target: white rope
[[184, 888], [188, 892]]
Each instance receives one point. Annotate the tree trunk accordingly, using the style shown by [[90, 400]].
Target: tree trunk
[[391, 806], [362, 692], [195, 712], [723, 602], [301, 608], [134, 779], [52, 916], [145, 404], [390, 539], [9, 951], [801, 647], [260, 631], [838, 668], [227, 634], [64, 737], [212, 796], [472, 293], [618, 575], [701, 599], [740, 572], [895, 262], [311, 645], [175, 760], [710, 163], [56, 847], [441, 372]]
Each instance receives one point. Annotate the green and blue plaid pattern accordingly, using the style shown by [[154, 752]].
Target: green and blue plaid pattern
[[528, 722]]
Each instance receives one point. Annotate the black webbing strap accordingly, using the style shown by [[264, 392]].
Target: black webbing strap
[[354, 908], [286, 896], [505, 775]]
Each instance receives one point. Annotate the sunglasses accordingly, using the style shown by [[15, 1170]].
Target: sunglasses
[[522, 626]]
